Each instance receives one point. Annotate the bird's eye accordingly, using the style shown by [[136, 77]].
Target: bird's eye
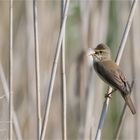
[[101, 52]]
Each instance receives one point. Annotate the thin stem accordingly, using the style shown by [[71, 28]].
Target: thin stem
[[126, 32], [37, 69], [119, 126], [102, 117], [120, 122], [118, 59], [59, 42], [11, 71], [6, 92], [134, 42], [64, 99]]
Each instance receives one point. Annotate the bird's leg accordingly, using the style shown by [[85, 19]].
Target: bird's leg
[[108, 95]]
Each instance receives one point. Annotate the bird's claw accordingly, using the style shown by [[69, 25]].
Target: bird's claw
[[108, 95]]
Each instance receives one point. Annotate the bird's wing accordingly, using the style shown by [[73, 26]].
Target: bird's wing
[[121, 81], [112, 74]]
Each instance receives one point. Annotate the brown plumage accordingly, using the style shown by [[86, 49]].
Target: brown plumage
[[110, 73]]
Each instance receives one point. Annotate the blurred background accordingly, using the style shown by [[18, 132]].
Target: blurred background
[[89, 23]]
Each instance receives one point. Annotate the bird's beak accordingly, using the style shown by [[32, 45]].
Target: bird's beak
[[91, 52]]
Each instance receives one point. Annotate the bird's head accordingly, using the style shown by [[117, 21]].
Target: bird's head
[[101, 53]]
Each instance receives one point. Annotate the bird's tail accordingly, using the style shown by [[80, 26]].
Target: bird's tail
[[130, 104]]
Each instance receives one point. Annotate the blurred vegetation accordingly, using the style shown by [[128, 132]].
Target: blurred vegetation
[[88, 24]]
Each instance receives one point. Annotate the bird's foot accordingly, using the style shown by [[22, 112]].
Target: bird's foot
[[108, 95]]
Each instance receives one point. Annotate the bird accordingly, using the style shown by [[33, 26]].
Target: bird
[[111, 73]]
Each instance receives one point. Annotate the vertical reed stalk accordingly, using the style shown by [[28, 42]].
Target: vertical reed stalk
[[64, 99], [134, 43], [53, 73], [126, 31], [37, 68], [6, 92], [11, 69], [120, 122], [118, 59]]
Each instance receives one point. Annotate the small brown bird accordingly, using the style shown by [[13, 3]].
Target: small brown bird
[[111, 74]]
